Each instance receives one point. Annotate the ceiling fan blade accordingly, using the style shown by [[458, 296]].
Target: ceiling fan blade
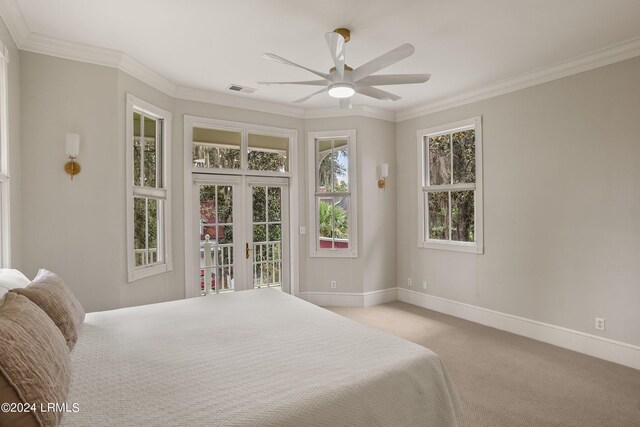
[[376, 93], [309, 96], [336, 46], [382, 61], [307, 82], [345, 102], [274, 57], [394, 79]]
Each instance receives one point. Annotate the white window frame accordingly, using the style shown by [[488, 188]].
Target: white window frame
[[5, 182], [314, 250], [164, 232], [424, 187], [244, 129]]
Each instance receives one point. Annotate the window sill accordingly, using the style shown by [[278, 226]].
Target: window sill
[[452, 246], [153, 270], [334, 254]]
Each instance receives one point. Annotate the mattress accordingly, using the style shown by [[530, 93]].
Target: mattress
[[258, 357]]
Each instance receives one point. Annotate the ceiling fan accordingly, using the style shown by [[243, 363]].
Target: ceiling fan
[[343, 81]]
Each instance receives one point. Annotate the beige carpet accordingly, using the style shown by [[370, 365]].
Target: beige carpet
[[507, 380]]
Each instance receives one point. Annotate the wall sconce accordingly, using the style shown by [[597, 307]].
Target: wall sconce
[[383, 173], [73, 149]]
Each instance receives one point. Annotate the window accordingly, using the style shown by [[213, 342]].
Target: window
[[5, 242], [332, 194], [148, 196], [451, 186], [218, 149]]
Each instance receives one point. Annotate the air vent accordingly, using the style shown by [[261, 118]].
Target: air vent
[[243, 89]]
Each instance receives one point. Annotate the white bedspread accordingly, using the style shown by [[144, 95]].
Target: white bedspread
[[257, 357]]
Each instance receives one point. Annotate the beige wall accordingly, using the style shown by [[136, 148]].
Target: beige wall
[[562, 238], [15, 170], [561, 205], [78, 228]]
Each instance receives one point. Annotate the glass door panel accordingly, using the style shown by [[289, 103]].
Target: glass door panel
[[267, 239], [216, 238]]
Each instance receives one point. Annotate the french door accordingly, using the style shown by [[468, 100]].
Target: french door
[[243, 234]]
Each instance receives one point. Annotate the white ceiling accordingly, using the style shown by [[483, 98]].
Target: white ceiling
[[464, 44]]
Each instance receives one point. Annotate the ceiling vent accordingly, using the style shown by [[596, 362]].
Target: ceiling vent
[[239, 88]]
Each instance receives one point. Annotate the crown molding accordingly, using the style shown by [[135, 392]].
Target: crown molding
[[356, 110], [14, 20], [616, 53], [38, 43]]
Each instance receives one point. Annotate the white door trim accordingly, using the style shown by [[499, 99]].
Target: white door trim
[[294, 221]]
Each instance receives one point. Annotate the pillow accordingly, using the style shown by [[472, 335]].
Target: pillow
[[50, 293], [34, 362], [10, 278]]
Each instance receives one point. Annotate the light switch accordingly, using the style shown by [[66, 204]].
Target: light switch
[[303, 230]]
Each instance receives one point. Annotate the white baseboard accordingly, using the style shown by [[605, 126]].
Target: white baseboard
[[592, 345], [346, 299]]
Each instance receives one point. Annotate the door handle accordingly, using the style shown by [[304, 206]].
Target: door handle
[[247, 250]]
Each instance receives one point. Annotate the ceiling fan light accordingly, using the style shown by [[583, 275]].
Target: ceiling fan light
[[341, 90]]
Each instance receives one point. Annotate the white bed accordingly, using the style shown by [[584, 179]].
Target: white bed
[[258, 357]]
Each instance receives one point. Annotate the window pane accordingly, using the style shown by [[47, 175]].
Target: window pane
[[275, 203], [325, 222], [464, 156], [275, 232], [152, 218], [146, 227], [260, 233], [225, 234], [325, 163], [139, 227], [439, 160], [150, 150], [225, 204], [438, 208], [259, 204], [341, 166], [333, 222], [268, 153], [462, 216], [341, 222], [213, 148], [137, 147]]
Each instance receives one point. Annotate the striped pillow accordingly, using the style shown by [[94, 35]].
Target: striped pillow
[[50, 293]]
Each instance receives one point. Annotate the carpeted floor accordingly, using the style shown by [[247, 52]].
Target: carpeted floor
[[507, 380]]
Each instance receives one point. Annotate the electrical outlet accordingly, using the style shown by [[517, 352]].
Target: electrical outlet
[[333, 284], [409, 281], [600, 323], [424, 285]]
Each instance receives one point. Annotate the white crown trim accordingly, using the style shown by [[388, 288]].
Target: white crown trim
[[14, 20], [33, 42], [609, 55], [356, 110]]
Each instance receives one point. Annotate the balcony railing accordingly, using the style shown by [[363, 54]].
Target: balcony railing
[[216, 266], [146, 256]]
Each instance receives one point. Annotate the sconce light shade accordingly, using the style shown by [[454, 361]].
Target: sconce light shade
[[383, 173], [73, 145], [73, 149], [384, 170]]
